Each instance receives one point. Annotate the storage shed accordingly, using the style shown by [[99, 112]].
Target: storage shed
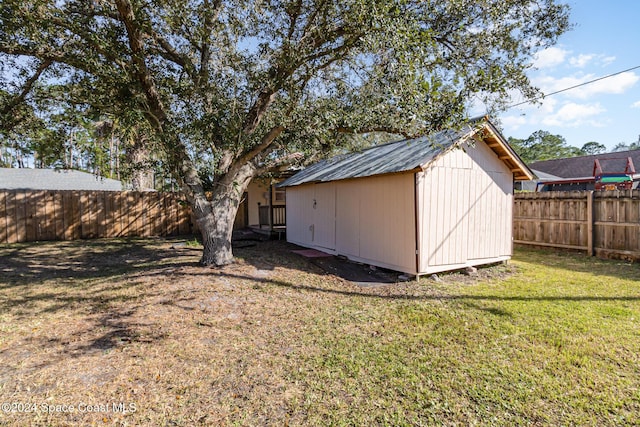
[[436, 203]]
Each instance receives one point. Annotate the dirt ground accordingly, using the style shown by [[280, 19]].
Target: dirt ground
[[115, 332]]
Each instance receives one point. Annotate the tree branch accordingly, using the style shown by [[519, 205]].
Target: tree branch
[[180, 161], [88, 38], [205, 50], [311, 19], [28, 85], [169, 53], [267, 140], [257, 110], [294, 14], [50, 55], [143, 74], [225, 162], [280, 161]]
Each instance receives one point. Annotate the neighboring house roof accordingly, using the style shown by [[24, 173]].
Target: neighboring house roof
[[543, 176], [526, 185], [50, 179], [408, 155], [576, 167]]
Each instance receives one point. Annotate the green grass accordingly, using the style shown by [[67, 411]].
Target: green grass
[[552, 339], [555, 344]]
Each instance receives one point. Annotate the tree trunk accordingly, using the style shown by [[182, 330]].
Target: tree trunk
[[217, 228], [138, 159], [215, 218]]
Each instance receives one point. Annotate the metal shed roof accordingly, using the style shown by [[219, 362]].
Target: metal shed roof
[[399, 156], [404, 156]]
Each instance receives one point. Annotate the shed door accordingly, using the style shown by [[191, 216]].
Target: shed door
[[324, 216]]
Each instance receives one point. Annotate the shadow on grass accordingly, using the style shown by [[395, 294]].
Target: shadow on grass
[[97, 282], [436, 297], [26, 264], [77, 276], [280, 254], [579, 262]]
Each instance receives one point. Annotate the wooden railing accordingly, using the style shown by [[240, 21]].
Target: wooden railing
[[264, 213], [279, 215], [272, 216]]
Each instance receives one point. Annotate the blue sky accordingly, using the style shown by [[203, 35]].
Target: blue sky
[[605, 40]]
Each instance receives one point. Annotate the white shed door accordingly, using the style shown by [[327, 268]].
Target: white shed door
[[324, 216]]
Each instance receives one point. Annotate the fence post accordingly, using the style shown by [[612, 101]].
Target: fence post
[[590, 223]]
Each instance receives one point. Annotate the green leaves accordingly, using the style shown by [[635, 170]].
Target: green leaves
[[542, 145], [217, 75]]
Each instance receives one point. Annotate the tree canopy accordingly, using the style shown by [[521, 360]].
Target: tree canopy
[[543, 145], [623, 146], [593, 147], [236, 87]]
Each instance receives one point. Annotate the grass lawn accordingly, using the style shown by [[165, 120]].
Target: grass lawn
[[136, 333]]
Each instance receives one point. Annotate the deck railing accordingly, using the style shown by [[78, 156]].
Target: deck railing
[[272, 216]]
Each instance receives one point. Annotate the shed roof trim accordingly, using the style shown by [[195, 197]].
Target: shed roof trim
[[402, 156]]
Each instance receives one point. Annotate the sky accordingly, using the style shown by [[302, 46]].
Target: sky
[[605, 39]]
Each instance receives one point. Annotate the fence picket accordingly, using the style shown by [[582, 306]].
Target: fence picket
[[4, 217], [70, 215], [605, 223]]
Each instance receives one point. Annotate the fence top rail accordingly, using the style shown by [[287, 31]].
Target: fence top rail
[[617, 194], [568, 195], [551, 195], [108, 192]]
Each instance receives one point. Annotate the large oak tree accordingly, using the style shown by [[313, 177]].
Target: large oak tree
[[237, 87]]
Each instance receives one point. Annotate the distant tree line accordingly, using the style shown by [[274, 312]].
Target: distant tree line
[[68, 138], [542, 145]]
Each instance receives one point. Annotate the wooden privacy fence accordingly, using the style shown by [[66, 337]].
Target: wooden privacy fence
[[28, 215], [602, 223]]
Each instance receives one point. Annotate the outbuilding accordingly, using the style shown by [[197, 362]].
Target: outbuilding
[[421, 206]]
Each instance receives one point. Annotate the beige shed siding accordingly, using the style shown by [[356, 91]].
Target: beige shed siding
[[383, 225], [323, 216], [444, 201], [464, 201], [311, 217], [369, 220], [492, 222], [299, 206], [348, 211]]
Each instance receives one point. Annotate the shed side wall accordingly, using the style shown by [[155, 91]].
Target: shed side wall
[[465, 203], [374, 219]]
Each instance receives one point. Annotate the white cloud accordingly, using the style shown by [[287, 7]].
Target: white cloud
[[513, 123], [581, 60], [635, 104], [573, 115], [590, 59], [613, 85], [547, 105], [550, 57]]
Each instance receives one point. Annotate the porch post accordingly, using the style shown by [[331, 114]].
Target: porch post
[[271, 205]]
